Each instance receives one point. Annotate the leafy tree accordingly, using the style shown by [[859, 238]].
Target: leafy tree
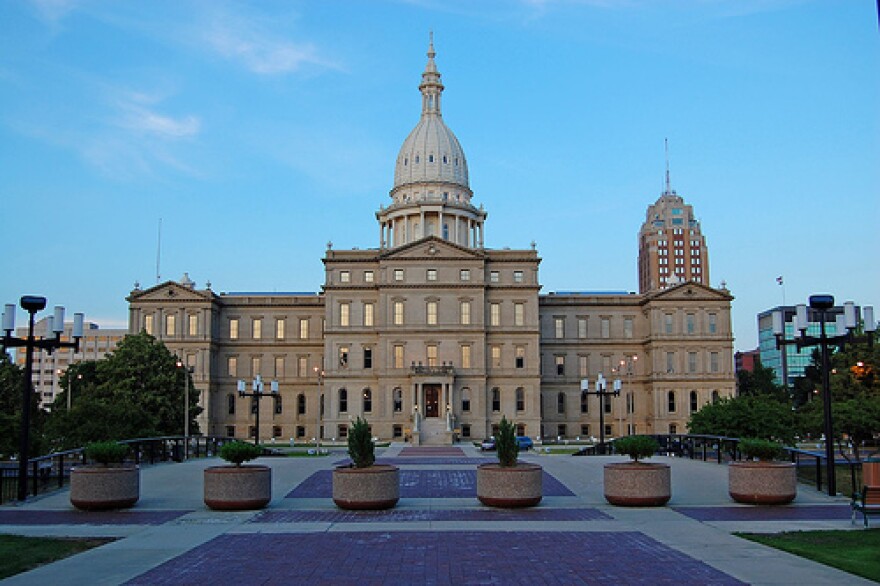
[[11, 381], [136, 391], [760, 382], [750, 416], [857, 419]]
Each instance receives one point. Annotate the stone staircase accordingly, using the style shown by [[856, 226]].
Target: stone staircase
[[433, 432]]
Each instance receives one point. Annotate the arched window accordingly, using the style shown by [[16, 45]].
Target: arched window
[[670, 399], [560, 403], [585, 406], [230, 402], [715, 396], [301, 404], [693, 401], [368, 400], [279, 407], [520, 399], [398, 399], [343, 400], [465, 399], [496, 399]]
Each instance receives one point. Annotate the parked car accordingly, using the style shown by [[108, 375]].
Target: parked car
[[524, 442], [488, 445]]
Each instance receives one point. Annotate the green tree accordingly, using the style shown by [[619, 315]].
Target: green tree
[[760, 382], [136, 391], [751, 416], [857, 420], [11, 381]]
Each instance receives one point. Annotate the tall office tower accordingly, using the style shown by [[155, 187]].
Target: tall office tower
[[672, 248]]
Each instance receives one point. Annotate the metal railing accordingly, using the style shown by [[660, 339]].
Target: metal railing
[[52, 472]]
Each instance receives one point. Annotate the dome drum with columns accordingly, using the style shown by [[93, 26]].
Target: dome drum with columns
[[431, 194]]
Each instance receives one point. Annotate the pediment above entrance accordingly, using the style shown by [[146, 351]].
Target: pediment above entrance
[[690, 292], [170, 290], [432, 248]]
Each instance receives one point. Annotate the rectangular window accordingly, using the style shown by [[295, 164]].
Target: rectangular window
[[464, 274], [560, 430], [230, 431], [343, 356], [495, 352], [193, 324], [692, 362], [520, 357], [713, 361], [279, 367], [398, 274], [368, 314], [368, 276], [465, 356], [667, 323], [689, 322], [627, 327], [494, 314], [148, 324], [519, 314], [398, 356], [344, 313], [494, 276], [279, 329], [517, 276], [583, 368], [256, 366], [465, 313], [232, 366], [398, 313], [431, 355], [606, 327], [582, 327], [465, 430], [713, 323], [670, 362], [304, 328], [397, 431], [344, 277], [559, 327], [258, 329], [431, 275], [368, 358], [560, 365], [169, 325], [302, 366], [432, 313]]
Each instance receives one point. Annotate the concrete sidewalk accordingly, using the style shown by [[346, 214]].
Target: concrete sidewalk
[[438, 533]]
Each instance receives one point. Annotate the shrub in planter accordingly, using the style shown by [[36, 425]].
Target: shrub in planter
[[365, 484], [637, 483], [108, 484], [509, 484], [759, 479], [238, 487]]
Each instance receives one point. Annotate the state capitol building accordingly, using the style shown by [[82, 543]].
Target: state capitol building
[[433, 336]]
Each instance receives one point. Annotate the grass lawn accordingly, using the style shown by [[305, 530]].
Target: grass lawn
[[854, 551], [20, 554]]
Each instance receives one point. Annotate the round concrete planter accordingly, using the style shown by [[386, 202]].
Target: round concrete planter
[[509, 486], [238, 488], [373, 488], [762, 483], [98, 488], [637, 484]]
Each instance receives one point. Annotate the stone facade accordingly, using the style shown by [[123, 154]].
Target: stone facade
[[432, 336]]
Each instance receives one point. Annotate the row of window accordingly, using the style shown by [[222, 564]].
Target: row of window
[[559, 327], [398, 313], [279, 367], [345, 276]]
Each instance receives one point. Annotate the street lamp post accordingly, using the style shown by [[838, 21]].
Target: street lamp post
[[845, 326], [55, 323], [70, 390], [320, 374], [601, 391], [626, 367], [186, 373], [257, 393]]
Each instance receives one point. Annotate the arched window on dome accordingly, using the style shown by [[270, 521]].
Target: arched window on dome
[[445, 161], [430, 158], [405, 161], [417, 159]]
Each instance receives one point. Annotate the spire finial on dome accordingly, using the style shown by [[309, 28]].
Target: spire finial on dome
[[431, 87], [431, 52]]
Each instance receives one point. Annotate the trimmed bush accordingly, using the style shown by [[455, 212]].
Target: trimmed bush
[[360, 444], [636, 446], [106, 453], [761, 449], [505, 443], [240, 452]]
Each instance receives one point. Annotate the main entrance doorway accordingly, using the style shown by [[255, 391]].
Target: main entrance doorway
[[432, 400]]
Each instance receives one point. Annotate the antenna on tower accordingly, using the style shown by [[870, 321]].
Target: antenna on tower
[[666, 147], [159, 252]]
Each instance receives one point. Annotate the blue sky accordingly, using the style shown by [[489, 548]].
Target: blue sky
[[259, 131]]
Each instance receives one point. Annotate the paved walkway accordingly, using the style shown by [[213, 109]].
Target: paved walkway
[[438, 533]]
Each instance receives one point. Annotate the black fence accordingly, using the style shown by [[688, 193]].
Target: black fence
[[810, 464], [51, 472]]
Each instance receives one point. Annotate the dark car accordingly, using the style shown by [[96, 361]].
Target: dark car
[[488, 445], [524, 442]]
